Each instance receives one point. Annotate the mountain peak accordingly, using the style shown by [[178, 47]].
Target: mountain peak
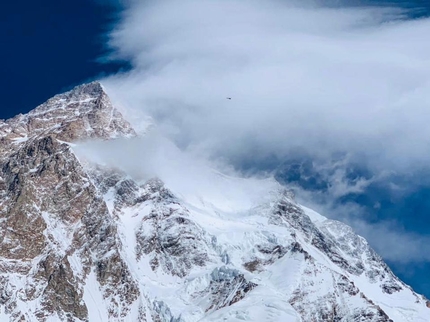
[[81, 93], [84, 112], [85, 242], [92, 88]]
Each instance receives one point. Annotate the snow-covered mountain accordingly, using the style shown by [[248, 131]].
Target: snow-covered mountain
[[83, 241]]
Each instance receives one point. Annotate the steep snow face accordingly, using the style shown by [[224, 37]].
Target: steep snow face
[[275, 261], [85, 242]]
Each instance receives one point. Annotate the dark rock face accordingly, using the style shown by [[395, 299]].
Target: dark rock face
[[173, 241], [61, 293], [267, 255], [227, 287], [46, 190]]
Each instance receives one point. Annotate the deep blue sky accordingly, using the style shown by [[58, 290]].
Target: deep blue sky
[[49, 47]]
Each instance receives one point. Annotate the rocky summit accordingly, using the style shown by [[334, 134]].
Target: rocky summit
[[82, 241]]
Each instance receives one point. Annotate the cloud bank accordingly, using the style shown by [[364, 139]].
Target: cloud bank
[[303, 80], [189, 177], [318, 79]]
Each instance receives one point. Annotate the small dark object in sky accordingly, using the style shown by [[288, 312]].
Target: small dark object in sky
[[229, 98]]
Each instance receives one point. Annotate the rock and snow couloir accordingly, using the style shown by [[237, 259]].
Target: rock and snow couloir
[[81, 241]]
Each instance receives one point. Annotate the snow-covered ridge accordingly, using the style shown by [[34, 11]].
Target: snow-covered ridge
[[84, 112], [85, 242]]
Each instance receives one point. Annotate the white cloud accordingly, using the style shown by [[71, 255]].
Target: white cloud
[[315, 78], [189, 177], [300, 77]]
